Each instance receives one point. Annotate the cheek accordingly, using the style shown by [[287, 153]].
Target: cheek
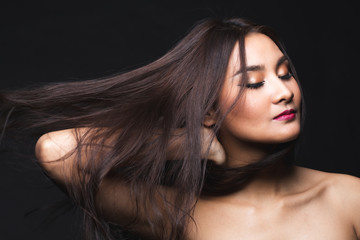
[[249, 109]]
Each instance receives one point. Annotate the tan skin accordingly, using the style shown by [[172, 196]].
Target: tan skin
[[279, 203]]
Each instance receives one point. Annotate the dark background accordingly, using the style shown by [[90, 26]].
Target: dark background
[[58, 41]]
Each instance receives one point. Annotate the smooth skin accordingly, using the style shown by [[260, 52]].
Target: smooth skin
[[280, 203]]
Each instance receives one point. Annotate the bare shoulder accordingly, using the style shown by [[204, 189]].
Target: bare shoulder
[[344, 186], [342, 191], [345, 190], [345, 182], [333, 178], [336, 183]]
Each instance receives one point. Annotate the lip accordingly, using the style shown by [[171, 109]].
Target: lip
[[288, 114]]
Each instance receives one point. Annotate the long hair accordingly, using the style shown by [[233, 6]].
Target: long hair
[[134, 115]]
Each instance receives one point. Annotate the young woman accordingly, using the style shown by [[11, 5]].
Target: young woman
[[196, 145]]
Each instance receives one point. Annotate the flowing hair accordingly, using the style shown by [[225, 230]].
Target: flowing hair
[[131, 118]]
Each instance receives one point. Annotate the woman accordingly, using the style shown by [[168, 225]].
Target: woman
[[196, 145]]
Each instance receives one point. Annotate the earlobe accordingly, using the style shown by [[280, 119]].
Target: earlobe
[[210, 119]]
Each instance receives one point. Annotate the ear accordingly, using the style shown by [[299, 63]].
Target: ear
[[210, 119]]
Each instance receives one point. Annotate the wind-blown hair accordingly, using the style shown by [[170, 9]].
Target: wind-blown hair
[[131, 117]]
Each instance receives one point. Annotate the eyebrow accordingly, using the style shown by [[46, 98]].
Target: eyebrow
[[261, 67]]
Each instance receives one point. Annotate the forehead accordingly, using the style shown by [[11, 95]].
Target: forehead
[[259, 49]]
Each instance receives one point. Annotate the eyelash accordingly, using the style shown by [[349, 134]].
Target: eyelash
[[260, 84], [286, 76], [255, 85]]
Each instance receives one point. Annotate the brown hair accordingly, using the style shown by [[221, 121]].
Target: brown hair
[[175, 91]]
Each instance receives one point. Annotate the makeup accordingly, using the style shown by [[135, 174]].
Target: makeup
[[286, 115]]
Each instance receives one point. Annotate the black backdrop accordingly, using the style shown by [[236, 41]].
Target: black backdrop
[[57, 41]]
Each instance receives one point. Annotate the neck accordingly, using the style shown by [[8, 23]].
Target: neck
[[273, 182], [239, 154], [270, 181], [273, 179]]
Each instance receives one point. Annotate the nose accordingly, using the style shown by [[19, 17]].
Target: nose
[[282, 92]]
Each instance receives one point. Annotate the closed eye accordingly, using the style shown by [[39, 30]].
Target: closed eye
[[255, 85], [286, 76]]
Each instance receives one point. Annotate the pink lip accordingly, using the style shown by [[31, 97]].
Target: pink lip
[[286, 115]]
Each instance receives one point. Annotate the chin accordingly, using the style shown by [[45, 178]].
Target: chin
[[282, 138], [289, 138], [290, 135]]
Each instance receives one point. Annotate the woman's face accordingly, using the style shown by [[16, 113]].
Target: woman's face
[[269, 109]]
